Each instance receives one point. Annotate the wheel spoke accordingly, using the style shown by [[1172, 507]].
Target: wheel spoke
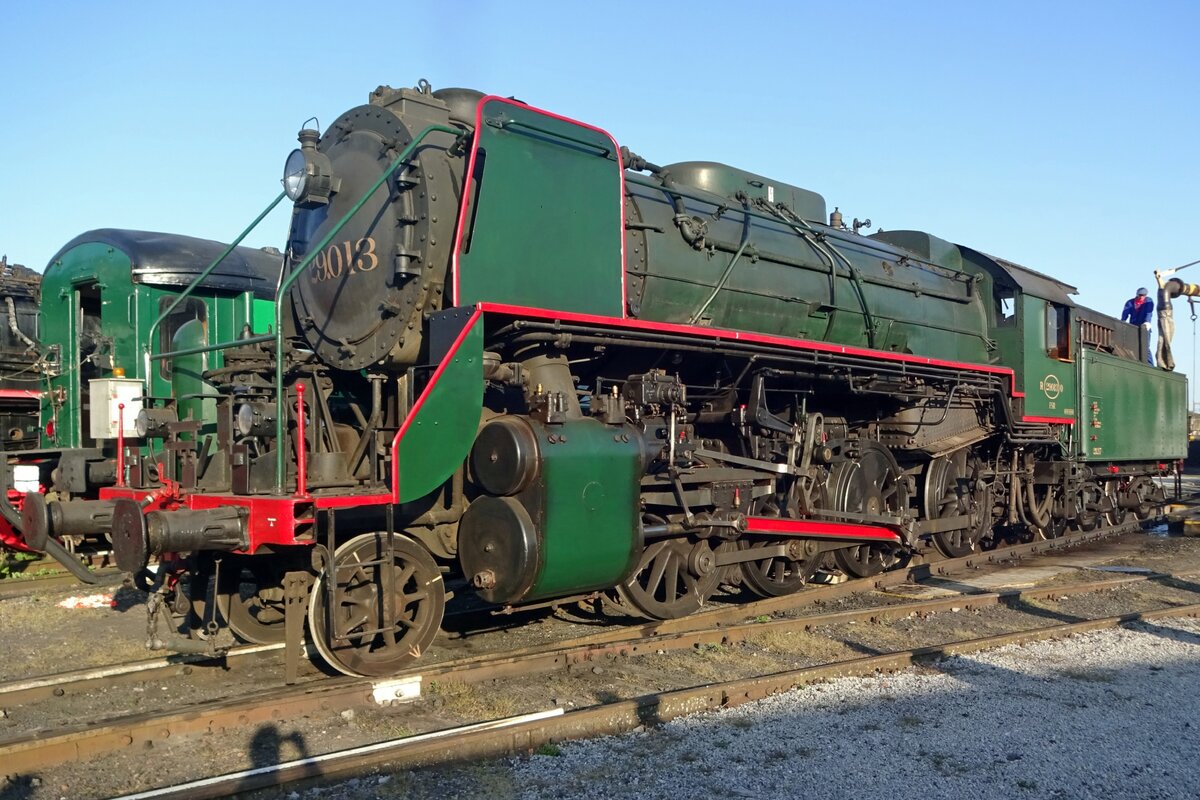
[[672, 577], [365, 593]]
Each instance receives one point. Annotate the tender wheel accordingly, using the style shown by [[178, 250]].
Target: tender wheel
[[251, 599], [775, 576], [387, 610], [871, 485], [1091, 507], [665, 584], [1148, 495]]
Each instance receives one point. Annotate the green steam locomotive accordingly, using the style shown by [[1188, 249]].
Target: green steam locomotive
[[514, 359]]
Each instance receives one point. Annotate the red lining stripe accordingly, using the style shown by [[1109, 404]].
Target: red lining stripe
[[762, 338], [808, 527], [412, 412]]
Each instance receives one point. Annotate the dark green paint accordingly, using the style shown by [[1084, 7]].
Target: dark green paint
[[440, 435], [1130, 411], [187, 382], [875, 294], [545, 225], [590, 528], [126, 310], [1049, 382]]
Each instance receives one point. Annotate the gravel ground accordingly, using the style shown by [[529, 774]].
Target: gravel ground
[[1106, 715], [694, 759]]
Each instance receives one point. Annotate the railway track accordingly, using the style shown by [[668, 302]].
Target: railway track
[[29, 690], [527, 732], [722, 625], [21, 587], [46, 574]]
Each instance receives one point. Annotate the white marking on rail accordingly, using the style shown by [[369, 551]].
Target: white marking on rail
[[402, 690], [496, 724], [125, 669]]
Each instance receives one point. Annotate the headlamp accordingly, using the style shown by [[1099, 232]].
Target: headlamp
[[307, 174]]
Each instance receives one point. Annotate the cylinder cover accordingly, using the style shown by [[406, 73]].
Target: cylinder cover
[[505, 457], [498, 547]]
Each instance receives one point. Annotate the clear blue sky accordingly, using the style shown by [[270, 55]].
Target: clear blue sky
[[1059, 135]]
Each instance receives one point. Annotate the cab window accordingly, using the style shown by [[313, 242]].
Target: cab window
[[1006, 307], [1058, 332]]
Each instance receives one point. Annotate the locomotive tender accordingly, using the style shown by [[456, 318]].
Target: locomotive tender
[[513, 354]]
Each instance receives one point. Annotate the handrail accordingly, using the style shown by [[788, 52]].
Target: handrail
[[209, 348], [149, 344], [280, 400]]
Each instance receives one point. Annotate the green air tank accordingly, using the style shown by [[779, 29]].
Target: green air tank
[[195, 398]]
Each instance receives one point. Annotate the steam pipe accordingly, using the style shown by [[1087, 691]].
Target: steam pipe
[[12, 323]]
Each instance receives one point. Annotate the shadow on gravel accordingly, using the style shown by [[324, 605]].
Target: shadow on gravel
[[1023, 606], [267, 750], [1039, 728], [18, 787], [1162, 631], [127, 597], [1177, 583]]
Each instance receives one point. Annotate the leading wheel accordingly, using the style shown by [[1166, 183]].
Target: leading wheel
[[251, 598], [666, 584], [873, 486], [387, 605]]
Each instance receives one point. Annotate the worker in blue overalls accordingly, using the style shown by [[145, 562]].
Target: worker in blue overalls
[[1138, 311]]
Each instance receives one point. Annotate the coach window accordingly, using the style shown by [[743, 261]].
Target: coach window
[[1058, 332], [190, 309]]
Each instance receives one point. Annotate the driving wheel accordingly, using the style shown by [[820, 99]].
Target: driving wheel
[[873, 486]]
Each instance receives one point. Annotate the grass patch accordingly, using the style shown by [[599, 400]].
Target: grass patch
[[799, 643], [470, 701], [13, 565], [548, 749]]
